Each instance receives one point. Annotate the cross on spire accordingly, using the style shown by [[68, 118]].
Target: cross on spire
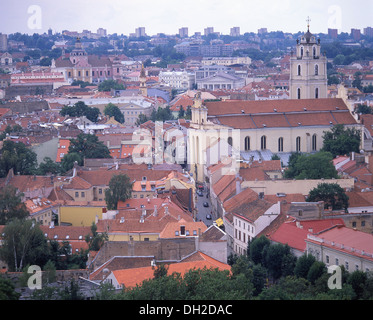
[[308, 23]]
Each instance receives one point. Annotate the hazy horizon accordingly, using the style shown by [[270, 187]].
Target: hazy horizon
[[167, 16]]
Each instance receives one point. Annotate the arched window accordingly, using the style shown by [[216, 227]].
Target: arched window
[[299, 70], [316, 70], [263, 142], [301, 51], [297, 144], [247, 143], [316, 93], [230, 141], [314, 142], [280, 144], [298, 93], [314, 52]]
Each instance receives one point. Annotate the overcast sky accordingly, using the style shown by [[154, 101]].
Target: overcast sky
[[167, 16]]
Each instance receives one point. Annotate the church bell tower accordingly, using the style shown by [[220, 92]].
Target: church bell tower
[[308, 72]]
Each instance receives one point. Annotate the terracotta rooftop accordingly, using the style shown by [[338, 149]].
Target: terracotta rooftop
[[135, 276]]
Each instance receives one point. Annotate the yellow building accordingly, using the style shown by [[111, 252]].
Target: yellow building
[[81, 213]]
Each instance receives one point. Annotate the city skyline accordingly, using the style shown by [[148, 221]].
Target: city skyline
[[166, 16]]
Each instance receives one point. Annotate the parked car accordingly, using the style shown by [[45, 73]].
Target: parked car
[[206, 204], [208, 217], [200, 193]]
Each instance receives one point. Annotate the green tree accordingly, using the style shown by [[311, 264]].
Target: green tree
[[256, 249], [80, 109], [7, 290], [48, 166], [95, 240], [142, 118], [274, 260], [107, 85], [303, 265], [363, 109], [311, 166], [23, 243], [67, 162], [287, 288], [18, 157], [340, 140], [11, 205], [316, 270], [88, 146], [112, 110], [357, 279], [332, 194], [120, 189]]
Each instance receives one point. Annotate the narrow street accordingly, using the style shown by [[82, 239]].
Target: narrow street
[[202, 211]]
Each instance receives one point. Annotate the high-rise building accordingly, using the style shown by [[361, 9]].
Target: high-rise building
[[3, 42], [140, 32], [209, 30], [235, 32], [356, 34], [101, 32], [333, 33], [183, 32], [308, 74], [368, 32]]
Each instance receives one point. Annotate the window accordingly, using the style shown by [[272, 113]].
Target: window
[[298, 93], [86, 73], [297, 144], [301, 51], [263, 142], [247, 143], [280, 144], [354, 224], [299, 70], [336, 261], [346, 265], [363, 223], [82, 194], [314, 142], [300, 213], [230, 141], [100, 191], [316, 93], [77, 194], [327, 258], [316, 70]]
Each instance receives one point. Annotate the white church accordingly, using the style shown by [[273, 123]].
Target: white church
[[254, 130]]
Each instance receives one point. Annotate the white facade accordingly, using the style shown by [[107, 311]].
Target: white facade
[[177, 79], [245, 230]]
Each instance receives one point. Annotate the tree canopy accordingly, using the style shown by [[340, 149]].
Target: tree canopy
[[311, 166], [17, 156], [332, 194], [112, 110], [88, 146], [120, 189], [11, 205], [340, 140], [80, 109]]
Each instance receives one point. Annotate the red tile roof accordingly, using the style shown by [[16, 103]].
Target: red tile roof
[[295, 235], [133, 277]]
